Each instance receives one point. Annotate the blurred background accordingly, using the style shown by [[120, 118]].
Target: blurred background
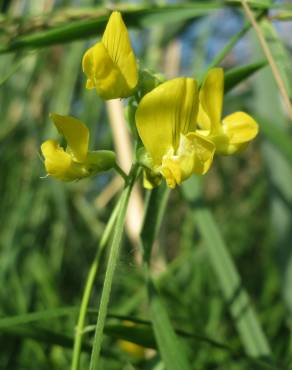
[[49, 230]]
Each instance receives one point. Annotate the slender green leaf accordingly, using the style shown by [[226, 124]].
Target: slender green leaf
[[170, 348], [254, 3], [280, 54], [43, 335], [7, 322], [156, 205], [135, 334], [47, 336], [235, 76], [229, 46], [88, 288], [277, 161], [139, 334], [282, 16], [144, 336], [72, 30], [139, 17], [277, 136], [111, 266], [244, 316]]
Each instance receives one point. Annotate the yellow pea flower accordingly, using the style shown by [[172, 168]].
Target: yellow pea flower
[[166, 121], [76, 162], [134, 350], [110, 64], [234, 132]]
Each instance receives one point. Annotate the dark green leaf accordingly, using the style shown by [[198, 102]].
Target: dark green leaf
[[155, 210], [235, 76], [244, 316]]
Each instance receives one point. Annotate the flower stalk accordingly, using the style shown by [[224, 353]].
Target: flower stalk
[[79, 331], [111, 266]]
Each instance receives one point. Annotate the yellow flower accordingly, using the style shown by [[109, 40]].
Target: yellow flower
[[110, 64], [76, 162], [134, 350], [234, 132], [166, 121]]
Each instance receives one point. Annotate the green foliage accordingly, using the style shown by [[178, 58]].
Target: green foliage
[[214, 290]]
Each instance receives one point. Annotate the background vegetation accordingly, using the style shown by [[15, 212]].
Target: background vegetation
[[222, 258]]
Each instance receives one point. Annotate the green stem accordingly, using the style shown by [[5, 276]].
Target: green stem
[[169, 345], [120, 172], [222, 53], [88, 288], [111, 265]]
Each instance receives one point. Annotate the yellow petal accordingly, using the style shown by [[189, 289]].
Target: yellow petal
[[164, 113], [59, 164], [104, 74], [110, 65], [240, 128], [211, 97], [88, 67], [204, 151], [194, 155], [76, 134], [171, 170], [132, 349], [117, 42], [203, 119]]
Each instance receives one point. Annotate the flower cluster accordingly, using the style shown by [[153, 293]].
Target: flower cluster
[[178, 121]]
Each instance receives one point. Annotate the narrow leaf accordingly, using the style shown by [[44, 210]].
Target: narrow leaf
[[171, 350], [244, 316], [7, 322], [110, 269], [235, 76], [135, 334], [43, 335], [94, 26], [280, 54], [229, 46], [141, 16], [155, 209], [277, 136]]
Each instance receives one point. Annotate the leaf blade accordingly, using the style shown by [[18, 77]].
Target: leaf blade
[[245, 319]]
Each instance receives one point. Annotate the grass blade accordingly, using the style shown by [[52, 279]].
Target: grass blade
[[280, 54], [43, 335], [144, 336], [7, 322], [94, 25], [234, 76], [170, 348], [229, 46], [156, 205], [137, 17], [245, 318], [88, 289], [278, 137], [111, 265]]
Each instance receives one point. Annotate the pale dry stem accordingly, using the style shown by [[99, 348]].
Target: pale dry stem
[[269, 56]]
